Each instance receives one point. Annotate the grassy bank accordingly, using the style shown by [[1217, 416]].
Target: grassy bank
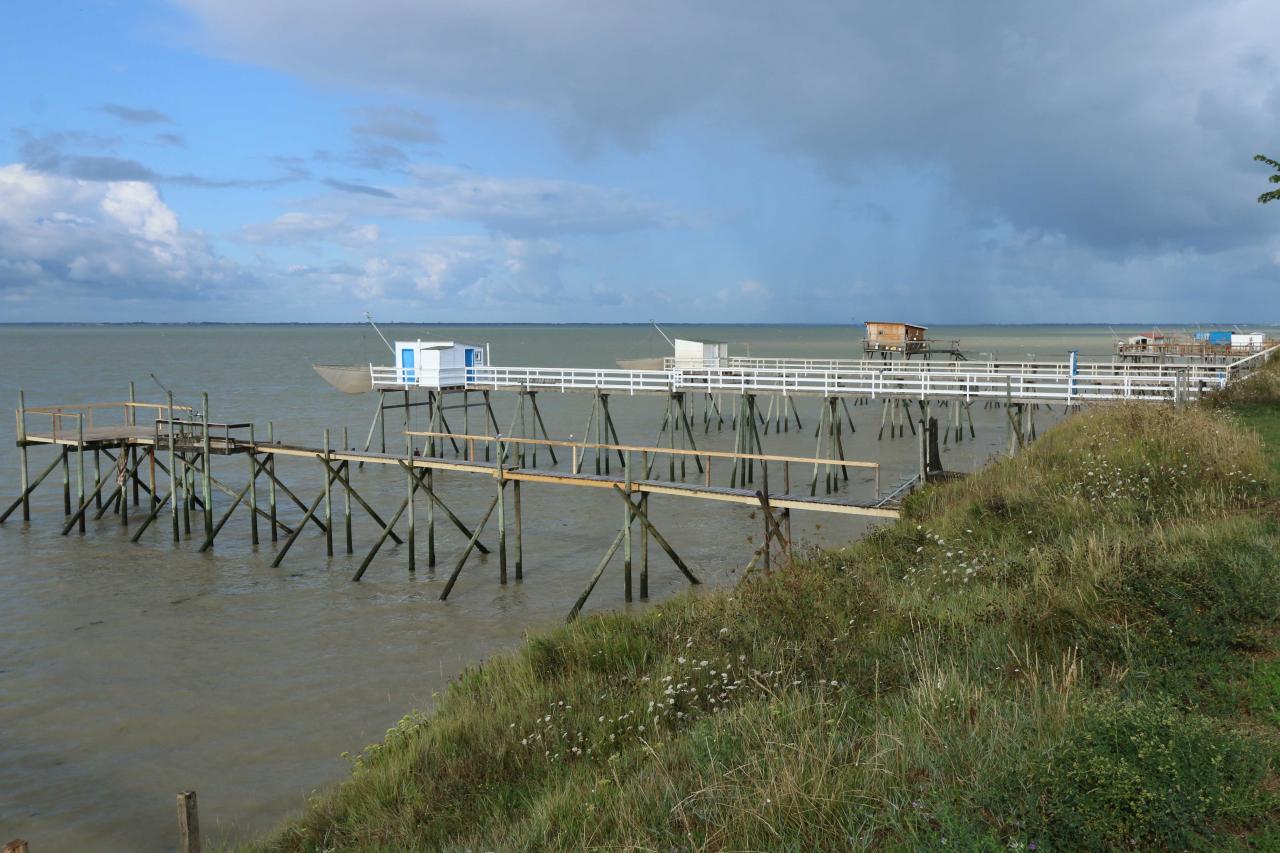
[[1074, 649]]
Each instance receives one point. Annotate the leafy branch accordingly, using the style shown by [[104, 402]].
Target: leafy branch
[[1273, 195]]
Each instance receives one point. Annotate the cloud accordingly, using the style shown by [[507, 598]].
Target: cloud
[[525, 208], [177, 140], [358, 189], [301, 228], [1123, 127], [54, 154], [404, 126], [135, 115], [94, 238]]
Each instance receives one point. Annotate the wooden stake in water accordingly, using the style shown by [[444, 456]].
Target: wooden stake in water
[[502, 515], [22, 456], [253, 488], [206, 488], [346, 495], [515, 505], [328, 498], [626, 531], [409, 499], [271, 483], [188, 823], [174, 491]]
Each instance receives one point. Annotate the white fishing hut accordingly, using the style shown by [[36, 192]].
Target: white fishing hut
[[432, 364], [700, 354]]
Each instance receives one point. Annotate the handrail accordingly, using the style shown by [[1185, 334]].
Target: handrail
[[670, 451]]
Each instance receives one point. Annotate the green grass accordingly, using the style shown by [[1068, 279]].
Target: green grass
[[1074, 649]]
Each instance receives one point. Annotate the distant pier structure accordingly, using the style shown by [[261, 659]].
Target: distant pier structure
[[1218, 346], [904, 340]]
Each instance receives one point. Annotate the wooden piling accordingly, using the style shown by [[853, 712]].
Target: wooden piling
[[519, 538], [173, 471], [253, 488], [502, 519], [328, 496], [188, 823], [346, 493], [271, 481], [206, 487], [626, 532], [80, 465], [23, 484], [411, 543], [644, 534]]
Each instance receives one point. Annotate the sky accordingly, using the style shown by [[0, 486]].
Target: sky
[[564, 161]]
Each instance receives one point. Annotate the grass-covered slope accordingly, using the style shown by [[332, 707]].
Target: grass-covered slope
[[1073, 649]]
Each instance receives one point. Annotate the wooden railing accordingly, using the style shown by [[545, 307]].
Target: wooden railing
[[579, 448]]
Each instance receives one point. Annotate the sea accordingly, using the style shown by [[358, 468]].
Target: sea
[[130, 672]]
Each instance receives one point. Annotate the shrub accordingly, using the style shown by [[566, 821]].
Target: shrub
[[1138, 775]]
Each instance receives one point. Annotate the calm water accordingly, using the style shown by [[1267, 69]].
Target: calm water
[[130, 672]]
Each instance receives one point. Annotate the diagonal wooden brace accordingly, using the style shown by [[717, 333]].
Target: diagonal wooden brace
[[657, 535]]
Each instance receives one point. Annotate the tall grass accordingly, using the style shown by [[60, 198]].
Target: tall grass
[[1060, 652]]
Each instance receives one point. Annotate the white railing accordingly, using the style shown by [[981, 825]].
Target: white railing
[[879, 382], [992, 380], [1061, 368]]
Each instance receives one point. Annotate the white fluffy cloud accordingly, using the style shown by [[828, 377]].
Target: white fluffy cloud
[[114, 238]]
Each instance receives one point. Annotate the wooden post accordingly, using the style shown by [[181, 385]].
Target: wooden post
[[764, 490], [413, 487], [626, 532], [133, 421], [644, 536], [515, 503], [253, 488], [328, 499], [346, 493], [97, 478], [80, 464], [206, 488], [271, 483], [22, 455], [66, 481], [174, 492], [188, 823], [502, 516]]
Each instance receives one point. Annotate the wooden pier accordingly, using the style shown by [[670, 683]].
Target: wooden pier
[[160, 460]]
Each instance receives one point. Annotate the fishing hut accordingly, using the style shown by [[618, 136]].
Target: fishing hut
[[904, 340], [1213, 346]]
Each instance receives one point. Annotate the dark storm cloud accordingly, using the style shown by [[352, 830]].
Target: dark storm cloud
[[1122, 126], [136, 115]]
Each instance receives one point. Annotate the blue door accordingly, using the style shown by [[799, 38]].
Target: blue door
[[469, 357], [408, 375]]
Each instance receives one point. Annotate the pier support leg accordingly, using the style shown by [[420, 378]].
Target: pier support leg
[[411, 486], [346, 497], [206, 487], [174, 493], [24, 490], [518, 528], [626, 533], [328, 499], [644, 541], [253, 488], [475, 537], [271, 476], [502, 518]]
